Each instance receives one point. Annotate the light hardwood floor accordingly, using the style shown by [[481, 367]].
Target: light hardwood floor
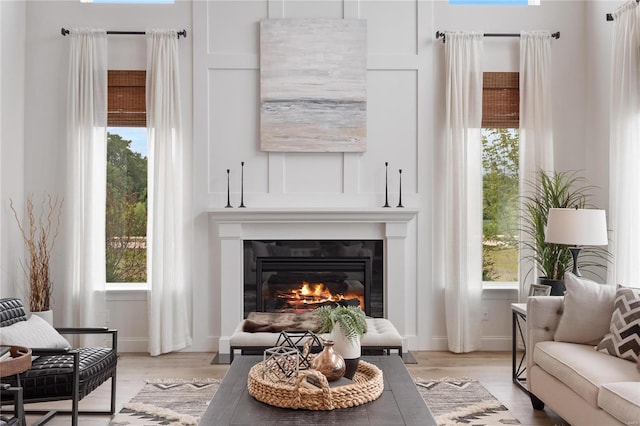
[[492, 369]]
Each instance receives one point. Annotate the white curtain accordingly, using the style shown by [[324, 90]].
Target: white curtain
[[624, 146], [86, 178], [462, 197], [169, 226], [536, 131]]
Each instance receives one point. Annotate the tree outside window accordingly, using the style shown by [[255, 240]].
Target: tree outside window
[[126, 212], [500, 188]]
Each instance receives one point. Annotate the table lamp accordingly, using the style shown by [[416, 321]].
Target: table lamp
[[576, 227]]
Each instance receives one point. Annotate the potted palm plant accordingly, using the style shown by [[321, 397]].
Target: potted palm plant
[[39, 232], [347, 324], [553, 190]]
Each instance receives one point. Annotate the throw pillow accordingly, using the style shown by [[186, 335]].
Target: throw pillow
[[623, 340], [587, 311], [32, 333]]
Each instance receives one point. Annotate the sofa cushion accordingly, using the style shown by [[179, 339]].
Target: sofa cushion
[[623, 339], [587, 311], [575, 366], [621, 400]]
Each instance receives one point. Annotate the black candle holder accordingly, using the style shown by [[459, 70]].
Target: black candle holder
[[386, 185], [241, 185], [228, 194], [400, 193]]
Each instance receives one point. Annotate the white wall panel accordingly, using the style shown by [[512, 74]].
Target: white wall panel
[[391, 26], [313, 9], [392, 125], [233, 26], [313, 173], [234, 131]]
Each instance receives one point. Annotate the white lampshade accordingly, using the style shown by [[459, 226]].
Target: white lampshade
[[578, 227]]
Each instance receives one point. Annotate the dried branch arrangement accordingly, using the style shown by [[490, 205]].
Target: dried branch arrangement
[[39, 233]]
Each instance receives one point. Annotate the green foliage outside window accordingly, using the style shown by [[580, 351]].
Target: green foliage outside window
[[126, 212], [500, 186]]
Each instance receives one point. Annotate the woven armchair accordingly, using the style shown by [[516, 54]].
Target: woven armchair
[[62, 374]]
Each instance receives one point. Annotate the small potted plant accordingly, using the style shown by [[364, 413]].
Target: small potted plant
[[39, 232], [346, 325]]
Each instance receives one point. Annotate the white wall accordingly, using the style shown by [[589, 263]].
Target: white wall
[[12, 83], [405, 104]]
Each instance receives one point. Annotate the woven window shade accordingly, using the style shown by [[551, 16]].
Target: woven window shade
[[127, 103], [501, 100]]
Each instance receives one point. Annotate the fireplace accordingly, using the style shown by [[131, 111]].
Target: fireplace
[[390, 234], [301, 275]]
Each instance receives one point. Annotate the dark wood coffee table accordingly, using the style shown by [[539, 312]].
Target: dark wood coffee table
[[399, 404]]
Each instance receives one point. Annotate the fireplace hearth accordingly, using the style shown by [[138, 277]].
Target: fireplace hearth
[[297, 276]]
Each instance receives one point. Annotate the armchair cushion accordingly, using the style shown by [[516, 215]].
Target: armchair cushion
[[52, 376], [33, 333], [587, 311]]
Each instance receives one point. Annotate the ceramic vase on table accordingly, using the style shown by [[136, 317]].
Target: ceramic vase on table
[[329, 362], [350, 350]]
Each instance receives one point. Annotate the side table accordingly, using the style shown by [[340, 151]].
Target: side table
[[18, 362], [519, 367]]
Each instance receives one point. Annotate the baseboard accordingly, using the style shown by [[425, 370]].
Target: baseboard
[[133, 344], [488, 343]]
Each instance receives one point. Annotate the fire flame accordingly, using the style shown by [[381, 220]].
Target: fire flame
[[315, 294]]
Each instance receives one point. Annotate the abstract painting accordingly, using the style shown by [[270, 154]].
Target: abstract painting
[[313, 85]]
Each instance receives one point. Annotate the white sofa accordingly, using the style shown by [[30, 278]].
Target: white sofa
[[583, 386]]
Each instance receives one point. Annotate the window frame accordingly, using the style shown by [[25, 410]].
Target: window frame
[[501, 87], [121, 83]]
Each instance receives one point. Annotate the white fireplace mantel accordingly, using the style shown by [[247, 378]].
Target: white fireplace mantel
[[267, 215], [230, 227]]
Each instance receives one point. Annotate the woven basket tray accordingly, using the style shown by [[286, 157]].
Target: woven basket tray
[[367, 386]]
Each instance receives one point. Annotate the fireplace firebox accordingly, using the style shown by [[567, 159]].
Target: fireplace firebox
[[301, 275], [299, 284]]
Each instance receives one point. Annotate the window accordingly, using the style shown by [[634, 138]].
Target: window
[[500, 182], [126, 206]]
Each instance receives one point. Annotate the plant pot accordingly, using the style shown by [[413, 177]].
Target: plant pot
[[45, 315], [348, 348], [557, 286]]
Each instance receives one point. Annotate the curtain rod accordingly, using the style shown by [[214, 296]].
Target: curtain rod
[[182, 33], [610, 15], [555, 35]]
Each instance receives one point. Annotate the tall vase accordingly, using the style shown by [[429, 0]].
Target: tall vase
[[45, 315], [349, 349]]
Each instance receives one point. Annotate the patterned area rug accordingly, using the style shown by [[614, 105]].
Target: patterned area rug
[[182, 403], [463, 402], [168, 402]]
